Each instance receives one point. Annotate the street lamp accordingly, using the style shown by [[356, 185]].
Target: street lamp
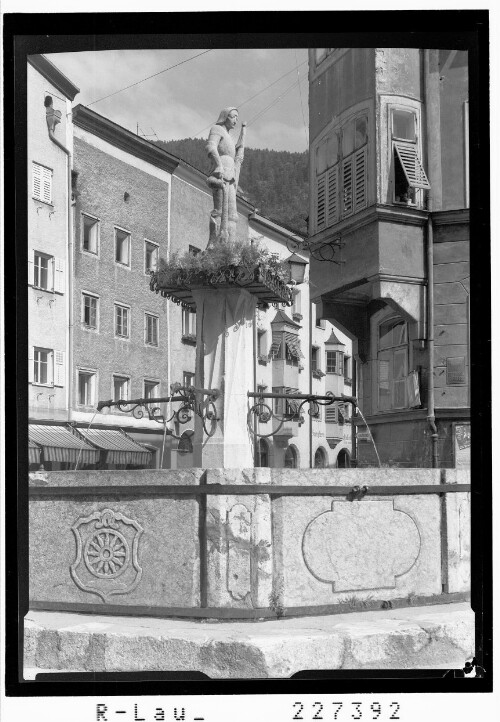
[[297, 268]]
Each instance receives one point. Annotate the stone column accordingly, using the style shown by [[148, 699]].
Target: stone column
[[225, 360]]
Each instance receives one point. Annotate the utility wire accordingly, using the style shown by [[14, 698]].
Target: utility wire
[[240, 105], [301, 103], [149, 76], [275, 101]]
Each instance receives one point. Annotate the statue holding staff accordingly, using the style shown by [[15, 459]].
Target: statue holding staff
[[227, 158]]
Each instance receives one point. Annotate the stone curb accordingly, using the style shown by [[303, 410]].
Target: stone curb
[[440, 637]]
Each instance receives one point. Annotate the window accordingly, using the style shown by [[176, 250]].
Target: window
[[314, 358], [90, 234], [89, 310], [150, 256], [185, 445], [151, 389], [188, 323], [287, 407], [331, 414], [121, 385], [286, 346], [42, 271], [320, 461], [261, 346], [409, 174], [122, 321], [392, 364], [187, 378], [347, 369], [122, 247], [263, 453], [335, 362], [320, 323], [42, 183], [341, 172], [151, 330], [43, 366], [86, 388]]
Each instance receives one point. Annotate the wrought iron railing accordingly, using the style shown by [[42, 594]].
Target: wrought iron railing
[[262, 413], [193, 401]]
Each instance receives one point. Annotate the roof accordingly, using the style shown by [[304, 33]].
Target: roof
[[53, 75], [281, 317], [333, 339]]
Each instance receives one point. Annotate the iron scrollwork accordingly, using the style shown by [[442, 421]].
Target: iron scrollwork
[[263, 412], [324, 250], [192, 401]]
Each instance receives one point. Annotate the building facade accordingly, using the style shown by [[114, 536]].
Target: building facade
[[389, 194]]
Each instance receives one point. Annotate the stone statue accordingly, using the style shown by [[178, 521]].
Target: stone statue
[[223, 179]]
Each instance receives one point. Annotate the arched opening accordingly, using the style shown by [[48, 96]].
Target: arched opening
[[320, 458], [291, 457], [263, 453], [185, 450], [343, 459]]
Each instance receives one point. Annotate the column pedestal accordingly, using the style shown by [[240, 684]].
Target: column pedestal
[[225, 360]]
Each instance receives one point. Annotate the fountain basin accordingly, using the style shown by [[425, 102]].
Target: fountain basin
[[247, 543]]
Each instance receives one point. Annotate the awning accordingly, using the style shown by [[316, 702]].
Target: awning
[[60, 444], [293, 344], [34, 452], [120, 447]]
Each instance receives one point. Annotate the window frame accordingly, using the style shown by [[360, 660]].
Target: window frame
[[96, 297], [123, 307], [393, 141], [190, 376], [148, 315], [39, 198], [50, 271], [186, 328], [92, 374], [156, 247], [386, 353], [97, 224], [118, 229], [157, 385], [50, 366], [126, 379]]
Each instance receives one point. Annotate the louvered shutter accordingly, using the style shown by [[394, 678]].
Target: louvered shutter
[[31, 266], [31, 364], [46, 185], [321, 201], [37, 181], [333, 193], [347, 186], [412, 167], [59, 285], [58, 368], [276, 345], [360, 179]]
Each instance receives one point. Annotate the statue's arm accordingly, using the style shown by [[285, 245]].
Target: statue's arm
[[240, 145], [212, 147]]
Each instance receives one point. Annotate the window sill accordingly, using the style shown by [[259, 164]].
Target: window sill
[[263, 359], [151, 345], [45, 203], [92, 254], [93, 329], [348, 382], [125, 266], [297, 316], [318, 374], [189, 339], [122, 338], [45, 386]]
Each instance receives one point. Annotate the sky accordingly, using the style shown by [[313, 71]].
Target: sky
[[186, 100]]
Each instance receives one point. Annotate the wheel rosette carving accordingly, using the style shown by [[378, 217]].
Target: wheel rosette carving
[[107, 554]]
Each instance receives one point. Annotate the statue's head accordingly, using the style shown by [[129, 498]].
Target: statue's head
[[228, 117]]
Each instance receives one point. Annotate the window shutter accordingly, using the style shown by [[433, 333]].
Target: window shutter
[[58, 368], [360, 179], [333, 191], [31, 364], [59, 275], [31, 267], [46, 185], [347, 186], [37, 181], [412, 167], [321, 201]]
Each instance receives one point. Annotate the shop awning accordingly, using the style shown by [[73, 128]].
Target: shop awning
[[120, 447], [60, 444], [34, 452]]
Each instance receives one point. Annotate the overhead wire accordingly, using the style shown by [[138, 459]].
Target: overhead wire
[[240, 105], [171, 67], [275, 101]]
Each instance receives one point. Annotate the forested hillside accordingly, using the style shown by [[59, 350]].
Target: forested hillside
[[276, 182]]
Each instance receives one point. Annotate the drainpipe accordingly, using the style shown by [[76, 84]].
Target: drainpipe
[[310, 380], [53, 118], [431, 417]]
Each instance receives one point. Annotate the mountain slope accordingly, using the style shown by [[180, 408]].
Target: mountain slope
[[276, 182]]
